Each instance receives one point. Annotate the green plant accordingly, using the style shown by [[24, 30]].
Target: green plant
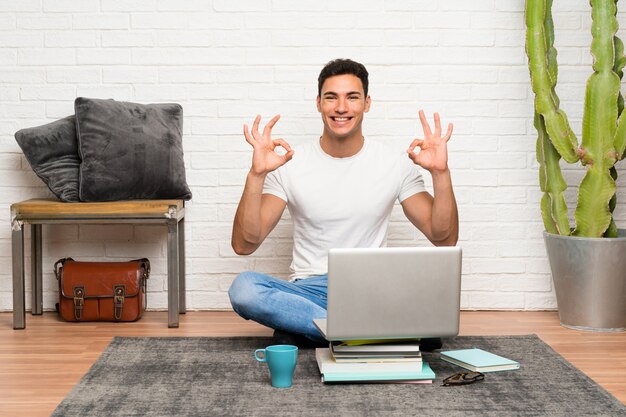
[[604, 123]]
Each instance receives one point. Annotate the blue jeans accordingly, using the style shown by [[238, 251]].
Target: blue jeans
[[279, 304]]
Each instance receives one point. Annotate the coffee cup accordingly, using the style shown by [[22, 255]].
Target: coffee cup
[[281, 359]]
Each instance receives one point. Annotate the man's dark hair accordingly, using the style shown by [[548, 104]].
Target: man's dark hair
[[341, 67]]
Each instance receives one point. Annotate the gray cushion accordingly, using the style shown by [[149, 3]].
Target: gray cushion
[[130, 151], [52, 152]]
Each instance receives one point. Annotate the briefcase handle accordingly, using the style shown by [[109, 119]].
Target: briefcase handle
[[60, 262], [146, 265], [144, 261]]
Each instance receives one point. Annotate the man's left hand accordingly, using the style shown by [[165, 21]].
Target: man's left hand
[[433, 154]]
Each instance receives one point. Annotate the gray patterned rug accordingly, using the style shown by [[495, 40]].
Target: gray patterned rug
[[198, 376]]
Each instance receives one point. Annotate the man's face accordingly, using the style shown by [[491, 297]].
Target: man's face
[[342, 103]]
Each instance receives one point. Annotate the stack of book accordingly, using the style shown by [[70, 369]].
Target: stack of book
[[380, 362]]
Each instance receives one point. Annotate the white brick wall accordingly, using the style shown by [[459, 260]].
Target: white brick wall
[[226, 61]]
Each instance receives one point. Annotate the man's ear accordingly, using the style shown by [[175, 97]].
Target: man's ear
[[319, 104], [368, 101]]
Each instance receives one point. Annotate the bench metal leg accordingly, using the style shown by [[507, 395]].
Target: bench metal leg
[[172, 274], [36, 272], [182, 291], [17, 242]]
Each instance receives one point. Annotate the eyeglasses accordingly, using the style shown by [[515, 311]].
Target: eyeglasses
[[463, 378]]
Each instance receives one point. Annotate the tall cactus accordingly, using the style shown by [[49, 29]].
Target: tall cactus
[[604, 128]]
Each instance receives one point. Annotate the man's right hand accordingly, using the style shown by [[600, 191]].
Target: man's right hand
[[265, 159]]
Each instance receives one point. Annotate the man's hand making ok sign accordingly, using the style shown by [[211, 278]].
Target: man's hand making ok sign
[[265, 158], [433, 154]]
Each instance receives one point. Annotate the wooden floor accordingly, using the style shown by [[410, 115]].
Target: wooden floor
[[40, 365]]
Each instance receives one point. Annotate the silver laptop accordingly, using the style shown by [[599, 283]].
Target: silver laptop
[[385, 293]]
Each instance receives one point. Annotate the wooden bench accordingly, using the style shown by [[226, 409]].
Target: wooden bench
[[170, 213]]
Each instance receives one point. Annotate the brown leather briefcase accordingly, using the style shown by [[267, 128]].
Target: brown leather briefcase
[[102, 291]]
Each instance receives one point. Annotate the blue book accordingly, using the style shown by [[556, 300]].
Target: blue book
[[426, 374], [479, 360]]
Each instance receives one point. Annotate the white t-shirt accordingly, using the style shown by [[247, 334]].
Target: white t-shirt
[[341, 202]]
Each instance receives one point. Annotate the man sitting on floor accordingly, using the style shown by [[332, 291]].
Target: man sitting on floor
[[340, 191]]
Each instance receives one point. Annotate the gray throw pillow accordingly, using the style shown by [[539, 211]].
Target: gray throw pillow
[[52, 152], [130, 151]]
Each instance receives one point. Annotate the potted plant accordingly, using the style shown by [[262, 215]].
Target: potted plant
[[588, 261]]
